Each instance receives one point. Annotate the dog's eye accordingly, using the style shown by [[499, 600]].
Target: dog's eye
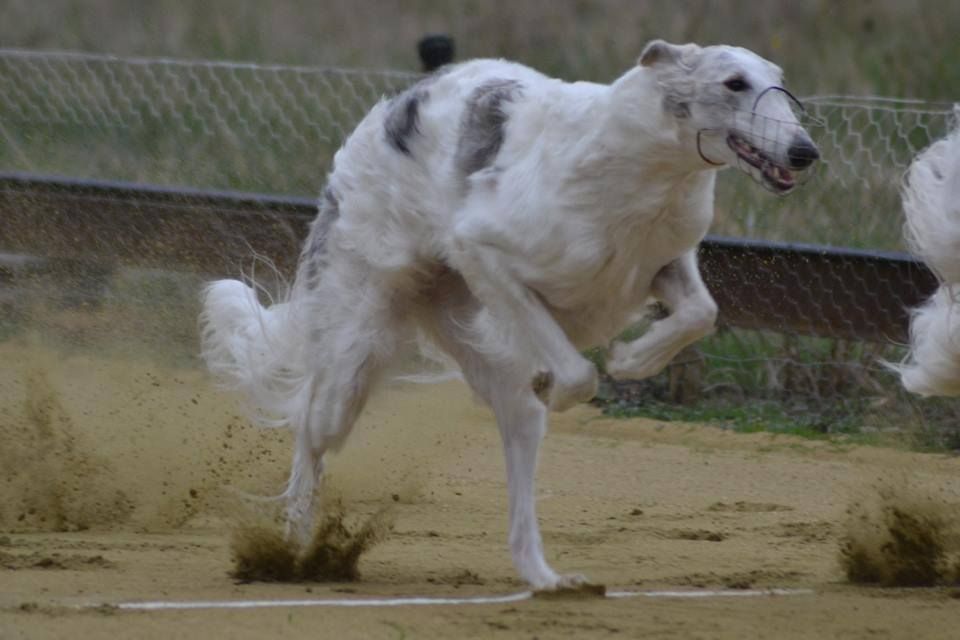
[[736, 84]]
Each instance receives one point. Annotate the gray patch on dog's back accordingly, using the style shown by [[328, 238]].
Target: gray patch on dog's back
[[403, 118], [314, 254], [482, 127]]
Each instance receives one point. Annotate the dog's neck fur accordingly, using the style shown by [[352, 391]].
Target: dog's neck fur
[[639, 147], [639, 116], [636, 177]]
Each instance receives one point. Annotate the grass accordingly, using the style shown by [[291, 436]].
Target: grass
[[817, 388], [840, 422], [903, 422], [753, 417]]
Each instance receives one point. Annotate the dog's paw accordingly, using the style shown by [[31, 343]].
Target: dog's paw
[[572, 586], [571, 581], [542, 385], [618, 362], [572, 386], [624, 364]]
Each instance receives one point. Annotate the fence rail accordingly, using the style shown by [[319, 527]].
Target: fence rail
[[208, 232], [789, 288]]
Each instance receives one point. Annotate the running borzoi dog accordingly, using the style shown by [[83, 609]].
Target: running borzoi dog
[[514, 220], [931, 202]]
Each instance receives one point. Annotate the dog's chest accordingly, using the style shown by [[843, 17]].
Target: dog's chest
[[620, 260], [596, 294]]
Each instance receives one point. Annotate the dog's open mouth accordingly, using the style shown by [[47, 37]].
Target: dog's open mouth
[[775, 176]]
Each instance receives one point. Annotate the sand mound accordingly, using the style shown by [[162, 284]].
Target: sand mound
[[261, 554], [901, 537]]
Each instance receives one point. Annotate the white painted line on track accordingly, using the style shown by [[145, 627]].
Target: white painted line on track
[[332, 602], [435, 601], [725, 593]]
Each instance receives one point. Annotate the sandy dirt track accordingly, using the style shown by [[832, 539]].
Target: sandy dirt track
[[112, 489]]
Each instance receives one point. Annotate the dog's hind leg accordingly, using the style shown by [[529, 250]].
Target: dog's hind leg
[[522, 421], [692, 316], [352, 340], [337, 399]]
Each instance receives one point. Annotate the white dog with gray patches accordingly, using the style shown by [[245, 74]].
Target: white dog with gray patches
[[515, 220]]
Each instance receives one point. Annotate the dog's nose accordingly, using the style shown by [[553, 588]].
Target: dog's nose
[[802, 154]]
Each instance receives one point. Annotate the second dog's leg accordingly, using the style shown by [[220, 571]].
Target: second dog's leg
[[692, 316]]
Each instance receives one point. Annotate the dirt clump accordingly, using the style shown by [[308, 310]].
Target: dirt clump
[[901, 538], [262, 554]]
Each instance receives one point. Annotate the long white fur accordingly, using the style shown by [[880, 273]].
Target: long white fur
[[931, 202], [247, 346], [555, 240]]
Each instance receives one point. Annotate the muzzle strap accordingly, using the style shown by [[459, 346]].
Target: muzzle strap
[[783, 90], [700, 151]]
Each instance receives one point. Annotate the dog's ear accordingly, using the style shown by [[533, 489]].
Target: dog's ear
[[672, 64], [659, 52]]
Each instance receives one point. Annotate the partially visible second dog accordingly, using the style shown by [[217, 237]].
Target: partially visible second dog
[[931, 202]]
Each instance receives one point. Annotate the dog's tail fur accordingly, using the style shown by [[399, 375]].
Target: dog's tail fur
[[247, 348], [931, 202]]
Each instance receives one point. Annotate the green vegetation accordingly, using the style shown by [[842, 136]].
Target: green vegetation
[[751, 417], [818, 388]]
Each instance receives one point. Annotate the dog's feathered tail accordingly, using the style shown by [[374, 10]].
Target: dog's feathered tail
[[931, 202], [248, 348]]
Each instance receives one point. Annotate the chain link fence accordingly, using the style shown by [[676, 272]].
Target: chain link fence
[[273, 130], [197, 124]]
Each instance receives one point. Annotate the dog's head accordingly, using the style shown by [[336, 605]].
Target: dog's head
[[733, 104]]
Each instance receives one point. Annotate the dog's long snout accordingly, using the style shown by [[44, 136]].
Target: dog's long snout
[[802, 153]]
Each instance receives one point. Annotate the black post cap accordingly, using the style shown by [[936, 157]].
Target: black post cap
[[435, 51]]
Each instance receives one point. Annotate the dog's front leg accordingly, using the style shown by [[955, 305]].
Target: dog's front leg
[[692, 316], [523, 423], [486, 257], [521, 418]]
